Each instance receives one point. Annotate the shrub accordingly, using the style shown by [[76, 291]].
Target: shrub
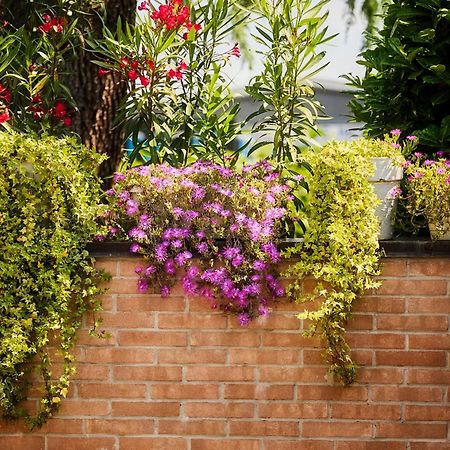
[[406, 84], [48, 207]]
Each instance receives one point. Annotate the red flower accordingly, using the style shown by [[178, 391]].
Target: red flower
[[5, 94], [102, 72], [67, 121], [235, 51], [144, 81], [4, 116], [60, 110], [175, 74], [135, 64], [189, 26], [133, 75], [182, 66], [125, 62], [171, 15], [52, 23], [36, 99], [143, 6], [150, 64]]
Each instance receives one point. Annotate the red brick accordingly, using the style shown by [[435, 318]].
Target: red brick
[[376, 340], [428, 376], [152, 443], [91, 372], [196, 320], [153, 338], [365, 411], [298, 374], [185, 391], [227, 339], [203, 373], [380, 304], [428, 412], [147, 373], [120, 426], [118, 355], [81, 443], [337, 429], [265, 356], [222, 444], [413, 287], [274, 321], [61, 426], [146, 302], [128, 319], [413, 323], [298, 445], [394, 267], [384, 445], [405, 394], [360, 322], [225, 410], [192, 356], [430, 267], [264, 428], [115, 390], [121, 285], [411, 430], [293, 410], [289, 340], [315, 357], [259, 391], [210, 427], [332, 393], [22, 443], [414, 358], [77, 408], [429, 445], [84, 338], [433, 305], [429, 341], [380, 376], [126, 267], [107, 264], [145, 409]]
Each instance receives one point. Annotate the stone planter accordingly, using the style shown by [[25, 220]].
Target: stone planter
[[386, 177]]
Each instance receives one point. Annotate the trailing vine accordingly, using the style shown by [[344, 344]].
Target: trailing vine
[[340, 248], [48, 206]]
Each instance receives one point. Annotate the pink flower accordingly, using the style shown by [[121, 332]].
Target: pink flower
[[396, 132], [411, 138], [395, 192], [440, 170], [235, 51]]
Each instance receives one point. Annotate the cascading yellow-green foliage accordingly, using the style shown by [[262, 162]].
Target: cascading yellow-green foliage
[[340, 248], [48, 205]]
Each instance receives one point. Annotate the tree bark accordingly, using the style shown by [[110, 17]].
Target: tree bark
[[98, 99]]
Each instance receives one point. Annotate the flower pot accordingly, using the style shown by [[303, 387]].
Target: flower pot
[[387, 176]]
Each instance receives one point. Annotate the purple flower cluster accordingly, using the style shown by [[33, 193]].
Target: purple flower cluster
[[177, 217]]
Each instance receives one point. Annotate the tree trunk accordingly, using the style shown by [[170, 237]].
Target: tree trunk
[[98, 99]]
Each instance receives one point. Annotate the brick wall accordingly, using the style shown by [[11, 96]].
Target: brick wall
[[175, 375]]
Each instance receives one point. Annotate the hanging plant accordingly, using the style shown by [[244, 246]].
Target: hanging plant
[[48, 207], [218, 225]]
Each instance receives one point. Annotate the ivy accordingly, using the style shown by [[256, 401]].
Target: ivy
[[48, 207], [340, 248]]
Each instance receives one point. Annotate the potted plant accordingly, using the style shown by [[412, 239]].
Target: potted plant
[[428, 193]]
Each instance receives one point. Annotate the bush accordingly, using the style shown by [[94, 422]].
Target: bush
[[407, 82], [48, 207]]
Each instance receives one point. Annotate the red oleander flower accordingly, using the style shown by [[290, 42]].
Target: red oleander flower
[[144, 81], [177, 72], [189, 25], [150, 64], [60, 110], [133, 75], [171, 15], [135, 64], [5, 93], [52, 23], [235, 51], [143, 6], [102, 72], [4, 116], [67, 121], [125, 62]]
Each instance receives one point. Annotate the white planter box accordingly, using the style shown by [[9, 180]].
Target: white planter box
[[386, 177]]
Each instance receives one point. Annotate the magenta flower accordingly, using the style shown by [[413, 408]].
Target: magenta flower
[[165, 291], [244, 319], [118, 176], [440, 170], [131, 207], [428, 162], [396, 132], [142, 285], [411, 138], [135, 248]]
